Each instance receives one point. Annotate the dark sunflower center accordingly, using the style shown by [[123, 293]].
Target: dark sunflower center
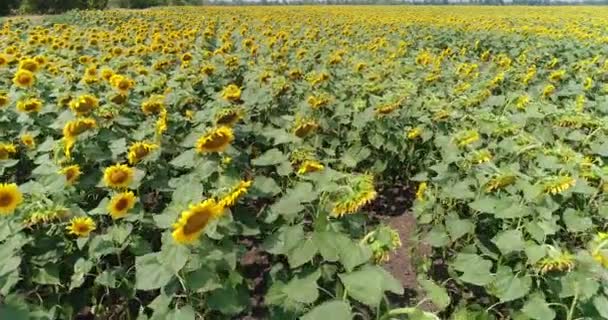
[[216, 142], [5, 199], [82, 228], [197, 222], [228, 118], [121, 204], [118, 176]]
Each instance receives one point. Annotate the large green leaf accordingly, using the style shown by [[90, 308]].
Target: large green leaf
[[337, 309], [150, 274], [368, 284]]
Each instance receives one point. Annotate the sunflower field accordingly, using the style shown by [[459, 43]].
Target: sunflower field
[[223, 162]]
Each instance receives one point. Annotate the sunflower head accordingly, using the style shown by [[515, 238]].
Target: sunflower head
[[304, 127], [7, 150], [310, 166], [4, 100], [28, 140], [140, 150], [81, 226], [228, 117], [231, 93], [556, 261], [29, 105], [24, 78], [30, 65], [359, 193], [122, 83], [558, 184], [154, 105], [75, 127], [71, 173], [414, 133], [215, 140], [235, 193], [118, 176], [120, 204], [10, 198], [84, 104], [193, 221]]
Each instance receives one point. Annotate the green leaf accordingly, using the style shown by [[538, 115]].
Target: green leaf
[[266, 186], [173, 256], [601, 305], [81, 268], [303, 289], [475, 269], [575, 222], [107, 278], [458, 227], [184, 160], [228, 300], [151, 274], [271, 157], [203, 280], [302, 253], [508, 286], [368, 284], [437, 294], [537, 308], [184, 313], [9, 264], [49, 274], [351, 253], [437, 237], [337, 309], [535, 252], [325, 242], [509, 241], [118, 147]]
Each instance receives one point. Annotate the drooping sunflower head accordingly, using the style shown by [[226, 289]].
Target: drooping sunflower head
[[30, 65], [24, 78], [28, 140], [140, 150], [215, 140], [500, 181], [304, 127], [75, 127], [154, 105], [122, 83], [84, 104], [29, 105], [548, 90], [4, 99], [193, 221], [71, 173], [481, 156], [422, 187], [46, 215], [558, 184], [228, 116], [120, 204], [310, 166], [359, 193], [414, 133], [81, 226], [557, 260], [382, 241], [10, 198], [231, 93], [118, 176], [7, 150], [466, 137], [235, 193]]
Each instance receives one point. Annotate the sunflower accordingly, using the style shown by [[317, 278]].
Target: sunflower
[[7, 150], [81, 226], [29, 105], [231, 93], [235, 193], [24, 78], [467, 137], [10, 198], [161, 123], [121, 204], [228, 117], [71, 173], [557, 260], [303, 128], [84, 104], [4, 100], [140, 150], [559, 184], [422, 187], [28, 141], [207, 69], [548, 90], [118, 176], [414, 133], [30, 65], [46, 215], [75, 127], [122, 83], [310, 166], [4, 59], [193, 221], [154, 105], [107, 73], [215, 140], [353, 198]]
